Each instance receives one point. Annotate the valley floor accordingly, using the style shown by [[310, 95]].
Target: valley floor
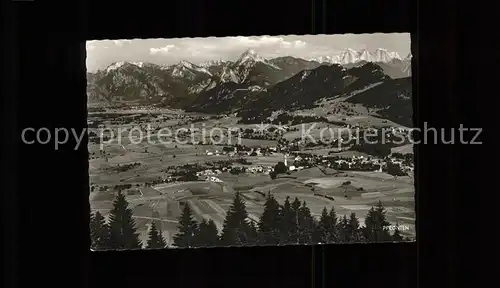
[[155, 198]]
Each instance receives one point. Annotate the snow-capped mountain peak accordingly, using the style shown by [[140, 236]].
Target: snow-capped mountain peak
[[351, 56], [348, 56], [382, 55], [115, 66], [187, 69], [139, 64], [186, 64], [365, 55], [249, 55], [124, 64], [213, 63], [395, 55], [249, 59], [326, 59]]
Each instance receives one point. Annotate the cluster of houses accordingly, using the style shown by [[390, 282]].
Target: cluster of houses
[[357, 161], [354, 162], [298, 162], [297, 159], [404, 166], [248, 152], [210, 175], [255, 169]]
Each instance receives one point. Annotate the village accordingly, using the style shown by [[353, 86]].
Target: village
[[298, 163], [296, 153]]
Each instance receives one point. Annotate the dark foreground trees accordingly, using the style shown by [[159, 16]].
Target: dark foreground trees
[[269, 224], [292, 223], [305, 225], [237, 229], [156, 240], [122, 231], [119, 233], [279, 224], [288, 222], [350, 230], [376, 225], [206, 235], [99, 232], [187, 229], [397, 235], [327, 228]]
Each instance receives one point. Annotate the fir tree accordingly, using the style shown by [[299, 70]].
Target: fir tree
[[296, 204], [187, 229], [396, 236], [253, 236], [306, 225], [327, 226], [370, 225], [323, 224], [206, 235], [99, 232], [381, 211], [353, 229], [236, 230], [269, 224], [295, 228], [376, 225], [123, 234], [288, 224], [156, 240], [343, 228], [334, 234], [93, 227]]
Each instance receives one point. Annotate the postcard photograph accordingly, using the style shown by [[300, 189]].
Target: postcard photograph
[[250, 141]]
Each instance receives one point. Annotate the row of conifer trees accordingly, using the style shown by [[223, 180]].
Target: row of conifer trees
[[289, 223]]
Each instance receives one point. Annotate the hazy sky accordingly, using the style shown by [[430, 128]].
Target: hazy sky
[[100, 54]]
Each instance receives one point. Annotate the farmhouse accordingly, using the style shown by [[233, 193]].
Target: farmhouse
[[208, 172], [212, 179], [259, 169]]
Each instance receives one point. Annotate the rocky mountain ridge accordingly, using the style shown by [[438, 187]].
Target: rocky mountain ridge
[[252, 86]]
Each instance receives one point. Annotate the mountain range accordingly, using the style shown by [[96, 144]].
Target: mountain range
[[349, 56], [254, 86]]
